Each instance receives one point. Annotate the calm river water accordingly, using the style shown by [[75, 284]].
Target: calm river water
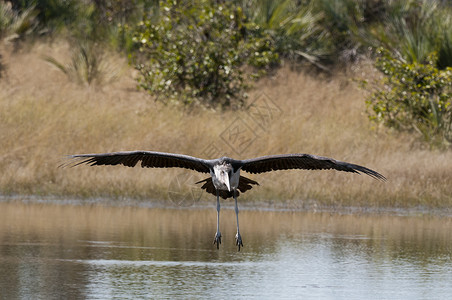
[[96, 252]]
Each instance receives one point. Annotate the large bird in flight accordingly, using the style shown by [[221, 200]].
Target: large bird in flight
[[225, 179]]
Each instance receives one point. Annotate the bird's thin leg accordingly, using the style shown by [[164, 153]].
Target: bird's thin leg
[[217, 239], [238, 238]]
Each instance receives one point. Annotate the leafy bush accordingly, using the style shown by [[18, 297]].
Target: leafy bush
[[118, 17], [413, 29], [341, 21], [414, 96], [196, 51], [294, 28], [108, 21], [51, 14], [93, 20]]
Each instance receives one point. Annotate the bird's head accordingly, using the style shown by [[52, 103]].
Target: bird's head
[[223, 172]]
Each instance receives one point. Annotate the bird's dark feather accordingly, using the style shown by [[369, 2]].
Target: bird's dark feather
[[303, 161], [148, 159], [245, 184], [151, 159]]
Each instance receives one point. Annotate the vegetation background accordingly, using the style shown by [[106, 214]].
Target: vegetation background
[[236, 78]]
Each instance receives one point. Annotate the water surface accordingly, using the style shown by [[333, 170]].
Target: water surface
[[95, 252]]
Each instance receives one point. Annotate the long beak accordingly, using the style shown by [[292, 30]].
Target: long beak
[[227, 181]]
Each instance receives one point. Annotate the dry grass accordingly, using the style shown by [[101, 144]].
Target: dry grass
[[44, 117]]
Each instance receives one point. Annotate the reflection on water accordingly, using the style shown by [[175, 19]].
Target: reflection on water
[[61, 251]]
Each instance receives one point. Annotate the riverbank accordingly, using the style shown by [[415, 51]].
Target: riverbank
[[45, 117], [208, 203]]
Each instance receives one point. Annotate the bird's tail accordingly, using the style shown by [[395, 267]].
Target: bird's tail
[[245, 184]]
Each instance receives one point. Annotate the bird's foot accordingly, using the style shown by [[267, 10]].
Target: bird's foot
[[217, 239], [238, 240]]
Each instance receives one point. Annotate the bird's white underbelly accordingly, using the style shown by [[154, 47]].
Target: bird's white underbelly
[[235, 180]]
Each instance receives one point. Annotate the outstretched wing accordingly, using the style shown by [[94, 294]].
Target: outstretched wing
[[303, 161], [148, 159]]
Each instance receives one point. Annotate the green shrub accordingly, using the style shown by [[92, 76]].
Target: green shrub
[[294, 28], [414, 96], [51, 14], [197, 52], [108, 21], [341, 22], [413, 29]]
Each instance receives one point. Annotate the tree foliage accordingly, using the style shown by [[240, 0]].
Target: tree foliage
[[414, 96], [196, 51]]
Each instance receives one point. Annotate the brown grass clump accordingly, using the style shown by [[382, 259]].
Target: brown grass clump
[[43, 117]]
